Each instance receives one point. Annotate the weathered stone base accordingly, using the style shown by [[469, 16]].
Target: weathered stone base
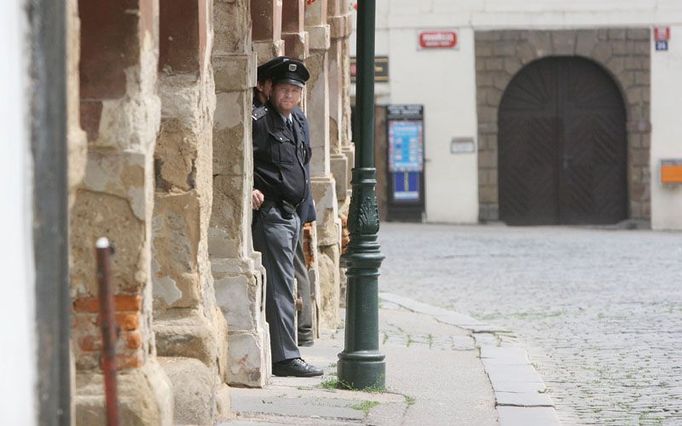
[[188, 333], [197, 391], [328, 246], [249, 358], [349, 152], [240, 295], [339, 168], [145, 397]]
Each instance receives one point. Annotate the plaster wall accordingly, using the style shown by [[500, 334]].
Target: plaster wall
[[444, 82], [17, 319], [666, 128]]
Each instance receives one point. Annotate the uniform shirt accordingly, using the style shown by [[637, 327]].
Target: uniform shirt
[[280, 157], [306, 210]]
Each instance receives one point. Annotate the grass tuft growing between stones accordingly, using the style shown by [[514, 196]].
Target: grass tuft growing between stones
[[365, 406]]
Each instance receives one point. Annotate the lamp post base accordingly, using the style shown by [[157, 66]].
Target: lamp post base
[[362, 370]]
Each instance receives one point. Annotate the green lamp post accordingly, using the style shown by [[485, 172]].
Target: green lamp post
[[361, 365]]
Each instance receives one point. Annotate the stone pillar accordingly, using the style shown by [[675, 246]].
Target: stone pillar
[[187, 322], [338, 160], [339, 122], [293, 33], [237, 270], [120, 113], [77, 141], [266, 24], [323, 184], [346, 28], [76, 138]]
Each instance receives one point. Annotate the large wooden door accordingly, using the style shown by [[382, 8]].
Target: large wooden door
[[562, 146]]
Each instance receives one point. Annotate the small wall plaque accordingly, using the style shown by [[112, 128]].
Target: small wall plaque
[[462, 146]]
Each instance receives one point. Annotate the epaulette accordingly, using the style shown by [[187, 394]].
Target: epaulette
[[259, 112]]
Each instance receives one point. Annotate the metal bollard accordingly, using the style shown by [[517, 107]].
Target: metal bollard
[[108, 323]]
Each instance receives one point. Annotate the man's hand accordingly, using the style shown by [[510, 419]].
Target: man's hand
[[257, 199]]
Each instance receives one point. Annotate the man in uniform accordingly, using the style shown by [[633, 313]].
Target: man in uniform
[[281, 184], [306, 210]]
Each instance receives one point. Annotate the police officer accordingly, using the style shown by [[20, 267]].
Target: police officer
[[306, 210], [281, 184]]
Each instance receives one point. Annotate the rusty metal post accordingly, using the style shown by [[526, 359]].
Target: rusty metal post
[[108, 323]]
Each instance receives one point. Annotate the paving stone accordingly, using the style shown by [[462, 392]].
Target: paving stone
[[523, 399], [516, 416], [596, 309], [504, 355]]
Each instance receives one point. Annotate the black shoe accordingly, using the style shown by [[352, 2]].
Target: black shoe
[[306, 342], [295, 367]]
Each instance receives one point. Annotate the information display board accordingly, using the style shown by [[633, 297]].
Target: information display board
[[405, 141], [405, 131]]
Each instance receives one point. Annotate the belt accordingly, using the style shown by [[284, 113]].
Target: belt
[[286, 208]]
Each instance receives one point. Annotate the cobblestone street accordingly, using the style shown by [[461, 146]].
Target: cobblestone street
[[600, 311]]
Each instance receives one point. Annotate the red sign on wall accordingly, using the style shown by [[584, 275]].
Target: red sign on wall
[[446, 39], [662, 33]]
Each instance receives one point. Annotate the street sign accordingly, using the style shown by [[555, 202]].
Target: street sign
[[662, 33], [661, 38], [439, 39]]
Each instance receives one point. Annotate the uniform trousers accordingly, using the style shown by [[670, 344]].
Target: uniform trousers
[[305, 316], [275, 235]]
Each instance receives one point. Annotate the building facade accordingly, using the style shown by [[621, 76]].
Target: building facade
[[147, 141], [568, 108]]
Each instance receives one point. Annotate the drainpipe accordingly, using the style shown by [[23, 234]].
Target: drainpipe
[[361, 365], [50, 208]]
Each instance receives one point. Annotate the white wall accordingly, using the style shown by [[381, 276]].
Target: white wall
[[666, 130], [441, 80], [17, 316], [445, 82]]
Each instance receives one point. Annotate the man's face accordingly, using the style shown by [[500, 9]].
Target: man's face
[[285, 97]]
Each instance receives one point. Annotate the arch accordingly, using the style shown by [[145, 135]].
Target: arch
[[622, 53], [562, 145]]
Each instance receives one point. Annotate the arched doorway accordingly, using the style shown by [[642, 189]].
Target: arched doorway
[[562, 153]]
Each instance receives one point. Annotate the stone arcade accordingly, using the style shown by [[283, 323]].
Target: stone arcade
[[159, 134]]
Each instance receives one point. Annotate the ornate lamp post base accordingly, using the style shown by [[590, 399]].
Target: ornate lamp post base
[[361, 365]]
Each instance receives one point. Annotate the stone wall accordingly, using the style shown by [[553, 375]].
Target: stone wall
[[160, 157], [120, 111], [623, 52], [188, 324], [239, 276]]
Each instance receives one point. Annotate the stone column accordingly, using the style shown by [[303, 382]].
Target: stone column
[[187, 322], [342, 154], [293, 33], [237, 270], [346, 28], [266, 23], [77, 141], [120, 113], [323, 184]]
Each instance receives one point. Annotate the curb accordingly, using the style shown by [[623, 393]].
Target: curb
[[519, 390]]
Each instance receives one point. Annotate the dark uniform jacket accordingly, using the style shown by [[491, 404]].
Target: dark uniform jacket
[[281, 158]]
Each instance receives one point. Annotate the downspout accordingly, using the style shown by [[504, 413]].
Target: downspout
[[47, 19]]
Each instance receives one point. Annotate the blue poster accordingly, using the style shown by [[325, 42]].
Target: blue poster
[[405, 147]]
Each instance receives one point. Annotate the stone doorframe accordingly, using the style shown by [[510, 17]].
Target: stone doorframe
[[625, 55]]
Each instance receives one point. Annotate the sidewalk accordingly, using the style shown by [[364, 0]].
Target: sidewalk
[[434, 376]]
